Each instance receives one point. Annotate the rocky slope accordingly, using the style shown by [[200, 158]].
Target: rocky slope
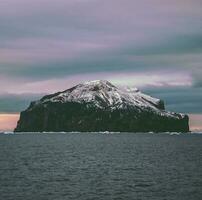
[[100, 106]]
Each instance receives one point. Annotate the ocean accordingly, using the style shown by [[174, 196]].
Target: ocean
[[100, 166]]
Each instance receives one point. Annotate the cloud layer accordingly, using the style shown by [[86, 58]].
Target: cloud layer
[[49, 45]]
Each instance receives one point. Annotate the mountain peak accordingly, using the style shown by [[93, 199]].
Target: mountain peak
[[103, 94], [97, 82], [97, 85]]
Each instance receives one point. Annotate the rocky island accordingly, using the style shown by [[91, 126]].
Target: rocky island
[[100, 106]]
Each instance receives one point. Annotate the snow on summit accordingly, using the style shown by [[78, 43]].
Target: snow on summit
[[103, 94]]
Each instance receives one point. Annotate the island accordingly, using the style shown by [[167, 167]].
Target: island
[[100, 106]]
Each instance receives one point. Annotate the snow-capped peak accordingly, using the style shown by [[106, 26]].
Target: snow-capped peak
[[103, 94]]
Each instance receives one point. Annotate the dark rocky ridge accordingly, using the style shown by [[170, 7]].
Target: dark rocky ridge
[[100, 106]]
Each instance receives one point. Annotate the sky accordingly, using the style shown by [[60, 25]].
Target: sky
[[50, 45]]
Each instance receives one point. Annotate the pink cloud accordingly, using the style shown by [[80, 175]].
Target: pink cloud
[[32, 50], [152, 79], [8, 121], [195, 122]]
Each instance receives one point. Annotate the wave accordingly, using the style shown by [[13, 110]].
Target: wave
[[7, 132], [101, 132]]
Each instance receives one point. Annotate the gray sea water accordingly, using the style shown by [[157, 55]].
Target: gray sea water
[[85, 166]]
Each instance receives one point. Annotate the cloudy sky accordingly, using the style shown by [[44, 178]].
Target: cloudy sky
[[50, 45]]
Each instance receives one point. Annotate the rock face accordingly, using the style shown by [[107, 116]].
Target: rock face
[[100, 106]]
